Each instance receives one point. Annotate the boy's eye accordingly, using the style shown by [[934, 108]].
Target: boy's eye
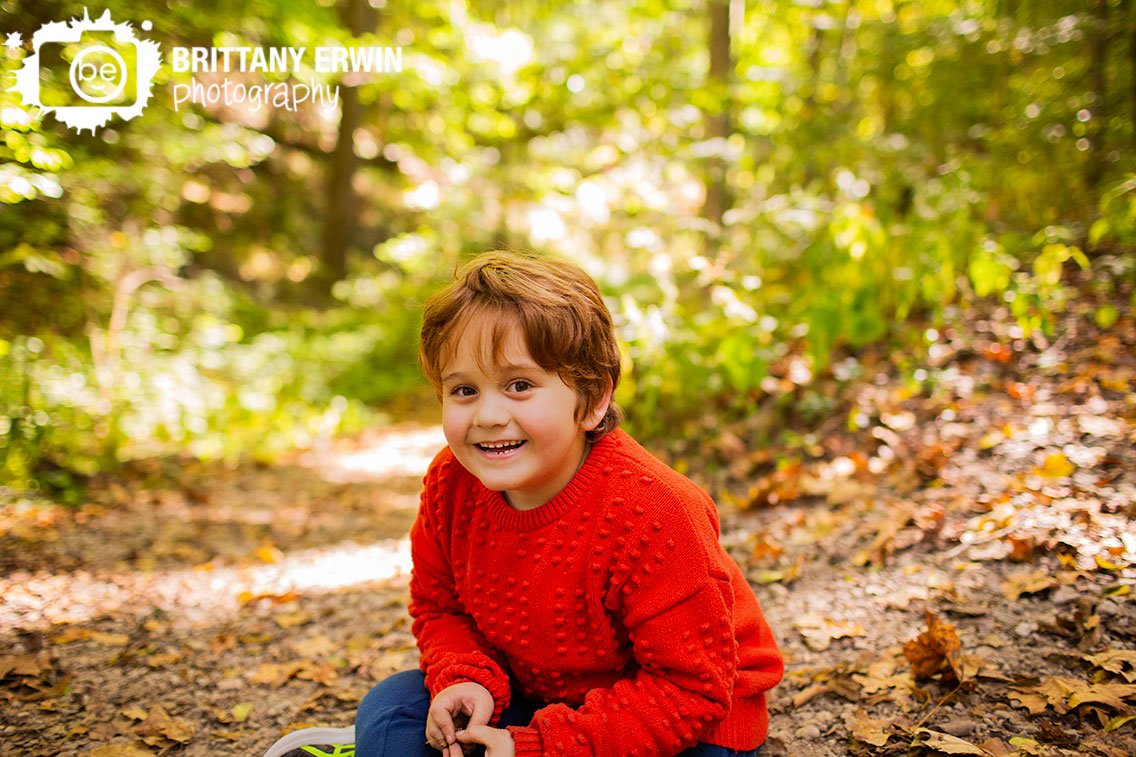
[[520, 385], [463, 391]]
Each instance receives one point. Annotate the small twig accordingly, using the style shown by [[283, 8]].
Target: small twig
[[939, 704]]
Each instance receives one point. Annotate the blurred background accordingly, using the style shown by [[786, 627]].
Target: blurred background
[[776, 196]]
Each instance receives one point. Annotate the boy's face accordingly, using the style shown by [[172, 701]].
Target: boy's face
[[510, 422]]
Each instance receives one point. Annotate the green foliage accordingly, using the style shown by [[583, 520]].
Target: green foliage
[[167, 284]]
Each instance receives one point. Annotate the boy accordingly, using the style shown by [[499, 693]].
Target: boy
[[569, 595]]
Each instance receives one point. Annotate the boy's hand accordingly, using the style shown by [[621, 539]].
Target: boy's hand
[[465, 704], [498, 742]]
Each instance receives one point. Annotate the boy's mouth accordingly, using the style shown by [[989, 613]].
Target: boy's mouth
[[499, 448]]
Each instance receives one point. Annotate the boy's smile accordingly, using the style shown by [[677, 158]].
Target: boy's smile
[[510, 422]]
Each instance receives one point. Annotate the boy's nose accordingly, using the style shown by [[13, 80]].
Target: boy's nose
[[491, 411]]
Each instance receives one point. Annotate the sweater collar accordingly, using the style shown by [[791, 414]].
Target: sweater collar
[[596, 466]]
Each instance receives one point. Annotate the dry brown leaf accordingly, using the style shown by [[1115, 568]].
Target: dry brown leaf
[[1116, 661], [291, 619], [22, 665], [110, 639], [869, 730], [322, 674], [1027, 583], [1109, 694], [936, 650], [996, 747], [275, 674], [779, 487], [71, 634], [159, 727], [314, 646], [948, 744], [119, 750], [1052, 692], [818, 631]]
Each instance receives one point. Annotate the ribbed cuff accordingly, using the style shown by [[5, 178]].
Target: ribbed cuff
[[526, 741], [496, 683]]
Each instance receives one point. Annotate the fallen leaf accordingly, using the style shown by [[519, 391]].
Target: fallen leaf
[[1109, 694], [291, 619], [269, 554], [274, 674], [159, 727], [1027, 583], [1118, 722], [948, 744], [936, 650], [315, 646], [869, 730], [119, 750], [1056, 465], [1104, 564], [110, 639], [1119, 661], [1052, 692], [818, 631], [996, 747], [21, 665]]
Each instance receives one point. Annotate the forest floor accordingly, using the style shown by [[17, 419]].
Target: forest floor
[[947, 563]]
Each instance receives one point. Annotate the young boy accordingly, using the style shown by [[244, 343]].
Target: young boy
[[569, 595]]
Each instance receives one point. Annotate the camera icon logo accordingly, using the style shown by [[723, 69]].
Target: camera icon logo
[[86, 72]]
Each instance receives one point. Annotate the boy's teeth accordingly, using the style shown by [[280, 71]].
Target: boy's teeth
[[498, 445]]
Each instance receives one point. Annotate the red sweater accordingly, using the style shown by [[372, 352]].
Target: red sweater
[[613, 600]]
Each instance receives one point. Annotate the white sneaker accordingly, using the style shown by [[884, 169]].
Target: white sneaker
[[320, 742]]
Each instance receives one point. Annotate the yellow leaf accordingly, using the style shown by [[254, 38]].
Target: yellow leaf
[[1104, 564], [1118, 722], [1026, 745], [241, 711], [110, 639], [268, 553], [1056, 465]]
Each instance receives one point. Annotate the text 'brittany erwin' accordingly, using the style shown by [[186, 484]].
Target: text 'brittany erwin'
[[334, 59]]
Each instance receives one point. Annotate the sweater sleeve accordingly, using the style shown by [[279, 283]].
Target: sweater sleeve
[[452, 647], [677, 606]]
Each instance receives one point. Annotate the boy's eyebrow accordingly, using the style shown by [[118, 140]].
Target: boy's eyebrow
[[507, 368]]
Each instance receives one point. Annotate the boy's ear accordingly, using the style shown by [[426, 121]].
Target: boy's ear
[[597, 415]]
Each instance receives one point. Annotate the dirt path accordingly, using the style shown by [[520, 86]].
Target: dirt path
[[194, 609]]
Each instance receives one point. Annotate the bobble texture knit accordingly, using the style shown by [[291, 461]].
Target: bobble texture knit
[[613, 602]]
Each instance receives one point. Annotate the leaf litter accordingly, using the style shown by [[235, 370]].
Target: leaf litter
[[948, 567]]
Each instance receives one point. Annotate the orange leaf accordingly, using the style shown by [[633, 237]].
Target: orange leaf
[[936, 650]]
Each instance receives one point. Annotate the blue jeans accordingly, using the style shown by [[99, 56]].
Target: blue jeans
[[391, 721]]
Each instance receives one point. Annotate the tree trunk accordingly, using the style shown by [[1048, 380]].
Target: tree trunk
[[718, 121], [1098, 85], [341, 218]]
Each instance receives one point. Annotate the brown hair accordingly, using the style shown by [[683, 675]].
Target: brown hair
[[562, 317]]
